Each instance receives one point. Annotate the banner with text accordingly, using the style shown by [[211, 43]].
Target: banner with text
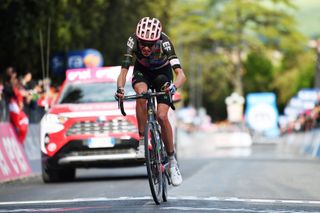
[[13, 161]]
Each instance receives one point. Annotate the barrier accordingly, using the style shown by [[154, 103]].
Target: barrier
[[32, 147], [304, 142], [32, 142], [13, 161], [315, 151]]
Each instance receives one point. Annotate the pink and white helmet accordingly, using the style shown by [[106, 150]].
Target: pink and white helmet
[[149, 29]]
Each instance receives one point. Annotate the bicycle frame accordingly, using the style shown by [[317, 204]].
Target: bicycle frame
[[155, 162]]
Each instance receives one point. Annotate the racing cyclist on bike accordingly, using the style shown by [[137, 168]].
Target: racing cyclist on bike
[[155, 60]]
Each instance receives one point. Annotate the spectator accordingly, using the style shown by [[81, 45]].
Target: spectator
[[28, 86], [26, 81], [15, 99], [3, 107]]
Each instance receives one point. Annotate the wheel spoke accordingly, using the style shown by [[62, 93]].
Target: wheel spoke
[[153, 161]]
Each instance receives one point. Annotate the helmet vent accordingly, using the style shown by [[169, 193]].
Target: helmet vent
[[149, 29]]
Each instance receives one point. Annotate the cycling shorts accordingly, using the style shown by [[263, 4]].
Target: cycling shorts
[[155, 79]]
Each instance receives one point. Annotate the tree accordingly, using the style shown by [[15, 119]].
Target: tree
[[74, 25], [258, 76], [228, 31]]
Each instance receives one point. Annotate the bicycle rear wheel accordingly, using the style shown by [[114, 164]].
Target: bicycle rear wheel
[[153, 162]]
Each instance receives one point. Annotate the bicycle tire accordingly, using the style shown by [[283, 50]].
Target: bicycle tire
[[164, 188], [153, 163], [165, 174]]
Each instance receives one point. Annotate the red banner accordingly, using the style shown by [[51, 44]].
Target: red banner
[[13, 161]]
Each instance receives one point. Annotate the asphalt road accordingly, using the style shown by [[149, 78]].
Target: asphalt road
[[262, 178]]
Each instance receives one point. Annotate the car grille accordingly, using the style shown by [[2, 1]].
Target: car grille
[[100, 152], [92, 127]]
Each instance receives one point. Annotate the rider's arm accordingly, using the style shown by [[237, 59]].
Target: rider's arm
[[126, 62], [180, 77], [122, 78], [174, 61]]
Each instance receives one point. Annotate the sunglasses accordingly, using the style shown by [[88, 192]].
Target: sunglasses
[[146, 44]]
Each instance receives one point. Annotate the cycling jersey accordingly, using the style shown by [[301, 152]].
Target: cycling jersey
[[162, 54]]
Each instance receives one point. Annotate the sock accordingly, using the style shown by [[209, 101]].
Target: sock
[[172, 159]]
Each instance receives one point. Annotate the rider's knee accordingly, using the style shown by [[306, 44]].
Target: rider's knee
[[140, 88]]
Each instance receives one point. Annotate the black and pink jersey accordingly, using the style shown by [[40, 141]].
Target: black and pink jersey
[[162, 54]]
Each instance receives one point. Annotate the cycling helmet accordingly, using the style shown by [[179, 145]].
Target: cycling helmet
[[149, 29]]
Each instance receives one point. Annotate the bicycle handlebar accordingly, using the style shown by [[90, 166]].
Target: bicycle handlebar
[[146, 95]]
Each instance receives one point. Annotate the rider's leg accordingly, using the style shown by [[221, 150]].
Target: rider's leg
[[166, 129], [141, 107], [167, 137], [141, 113]]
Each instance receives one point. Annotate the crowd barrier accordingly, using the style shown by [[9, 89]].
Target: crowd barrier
[[304, 142], [13, 161], [32, 142], [18, 161]]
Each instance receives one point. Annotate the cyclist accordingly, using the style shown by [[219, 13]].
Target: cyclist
[[155, 60]]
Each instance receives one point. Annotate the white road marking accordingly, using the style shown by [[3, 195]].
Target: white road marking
[[221, 199], [195, 209], [76, 200], [32, 210]]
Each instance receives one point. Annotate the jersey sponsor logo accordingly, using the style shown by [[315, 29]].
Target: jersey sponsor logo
[[167, 46], [130, 42]]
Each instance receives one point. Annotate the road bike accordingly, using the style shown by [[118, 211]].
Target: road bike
[[155, 155]]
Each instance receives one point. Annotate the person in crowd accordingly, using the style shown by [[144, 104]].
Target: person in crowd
[[26, 88], [26, 81], [14, 98], [3, 107]]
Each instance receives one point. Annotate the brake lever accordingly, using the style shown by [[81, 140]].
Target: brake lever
[[120, 105], [171, 102]]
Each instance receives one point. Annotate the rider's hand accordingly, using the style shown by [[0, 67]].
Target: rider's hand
[[119, 93], [172, 89]]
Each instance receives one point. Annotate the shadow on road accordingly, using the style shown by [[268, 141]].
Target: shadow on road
[[115, 174]]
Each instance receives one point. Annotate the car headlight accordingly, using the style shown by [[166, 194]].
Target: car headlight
[[53, 123], [58, 119], [50, 123]]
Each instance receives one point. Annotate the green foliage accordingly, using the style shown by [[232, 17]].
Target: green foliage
[[225, 33], [221, 43], [104, 25], [289, 81], [258, 76]]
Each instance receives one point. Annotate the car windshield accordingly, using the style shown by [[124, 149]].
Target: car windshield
[[95, 92]]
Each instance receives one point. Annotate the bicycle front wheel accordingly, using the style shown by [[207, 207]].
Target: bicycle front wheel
[[153, 161]]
